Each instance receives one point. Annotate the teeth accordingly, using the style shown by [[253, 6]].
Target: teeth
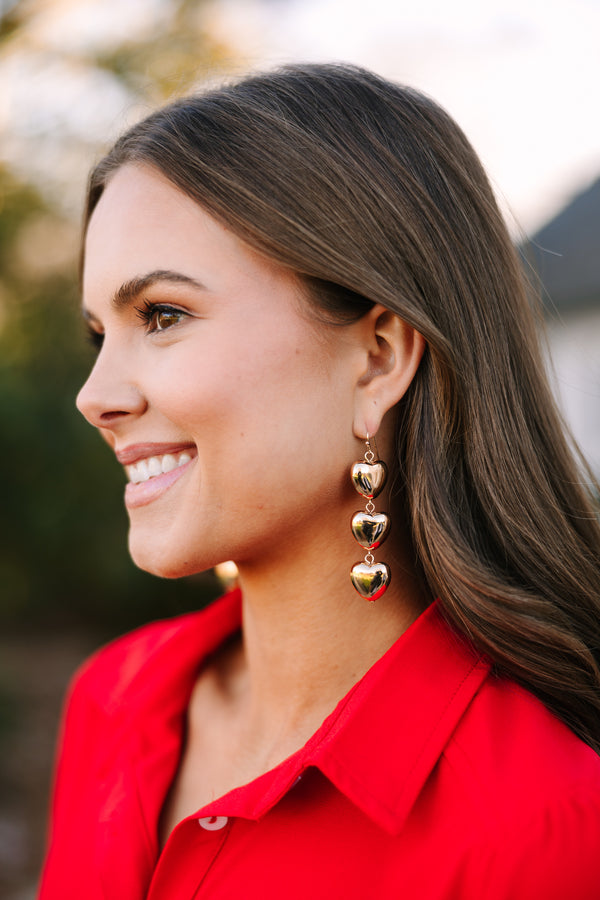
[[156, 465], [169, 462]]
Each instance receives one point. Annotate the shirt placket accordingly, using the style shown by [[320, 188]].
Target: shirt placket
[[188, 855]]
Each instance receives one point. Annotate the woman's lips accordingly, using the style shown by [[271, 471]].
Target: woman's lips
[[127, 456], [153, 473], [154, 466]]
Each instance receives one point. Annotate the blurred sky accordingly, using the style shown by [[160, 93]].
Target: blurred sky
[[522, 78]]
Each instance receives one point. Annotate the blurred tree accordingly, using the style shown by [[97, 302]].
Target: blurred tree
[[76, 72], [63, 556]]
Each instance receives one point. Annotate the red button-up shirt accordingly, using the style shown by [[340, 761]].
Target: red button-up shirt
[[431, 779]]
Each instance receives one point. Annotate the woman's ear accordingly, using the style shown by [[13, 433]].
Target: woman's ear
[[392, 353]]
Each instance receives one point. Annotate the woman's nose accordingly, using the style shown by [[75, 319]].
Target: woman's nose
[[109, 396]]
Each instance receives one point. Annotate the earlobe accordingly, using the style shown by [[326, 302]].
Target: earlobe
[[393, 352]]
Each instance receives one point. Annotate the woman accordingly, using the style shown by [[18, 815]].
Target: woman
[[294, 282]]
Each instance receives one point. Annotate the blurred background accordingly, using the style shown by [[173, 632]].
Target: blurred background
[[523, 80]]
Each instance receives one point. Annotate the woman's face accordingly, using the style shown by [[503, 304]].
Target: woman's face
[[229, 408]]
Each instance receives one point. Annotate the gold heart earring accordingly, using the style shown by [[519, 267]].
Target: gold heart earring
[[369, 528]]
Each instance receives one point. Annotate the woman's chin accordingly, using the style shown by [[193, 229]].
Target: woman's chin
[[163, 561]]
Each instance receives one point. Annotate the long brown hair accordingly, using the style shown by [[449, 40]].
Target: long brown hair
[[372, 194]]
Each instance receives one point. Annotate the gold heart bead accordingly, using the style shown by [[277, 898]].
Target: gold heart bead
[[369, 478], [370, 581], [370, 530]]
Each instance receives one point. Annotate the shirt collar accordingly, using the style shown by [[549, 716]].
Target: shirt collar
[[392, 727], [378, 746]]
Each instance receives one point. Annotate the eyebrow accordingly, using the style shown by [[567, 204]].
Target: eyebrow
[[131, 290]]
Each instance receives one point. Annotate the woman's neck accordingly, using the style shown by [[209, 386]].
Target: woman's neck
[[308, 637]]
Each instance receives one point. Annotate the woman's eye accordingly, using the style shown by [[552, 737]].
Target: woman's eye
[[159, 317]]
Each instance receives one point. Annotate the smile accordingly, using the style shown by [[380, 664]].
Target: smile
[[152, 466], [150, 477]]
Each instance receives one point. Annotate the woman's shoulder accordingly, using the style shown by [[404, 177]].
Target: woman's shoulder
[[511, 745], [520, 769], [529, 790], [153, 650], [115, 665]]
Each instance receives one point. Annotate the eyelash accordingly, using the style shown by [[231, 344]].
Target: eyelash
[[95, 338], [150, 311]]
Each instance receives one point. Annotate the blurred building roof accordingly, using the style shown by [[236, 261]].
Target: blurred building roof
[[566, 253]]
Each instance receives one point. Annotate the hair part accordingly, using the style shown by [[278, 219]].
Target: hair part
[[370, 193]]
